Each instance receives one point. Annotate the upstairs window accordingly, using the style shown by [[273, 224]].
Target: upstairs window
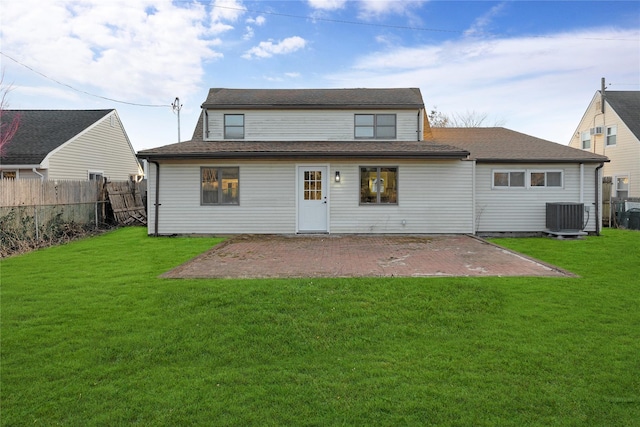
[[585, 139], [546, 179], [234, 126], [220, 186], [506, 179], [375, 126], [611, 135]]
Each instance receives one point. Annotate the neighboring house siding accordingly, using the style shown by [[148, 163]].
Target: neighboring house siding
[[524, 209], [308, 125], [624, 156], [268, 199], [102, 148]]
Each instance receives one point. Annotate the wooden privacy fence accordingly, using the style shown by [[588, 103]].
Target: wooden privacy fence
[[34, 192], [121, 200], [33, 212]]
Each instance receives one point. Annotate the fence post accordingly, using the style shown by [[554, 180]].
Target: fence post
[[35, 220]]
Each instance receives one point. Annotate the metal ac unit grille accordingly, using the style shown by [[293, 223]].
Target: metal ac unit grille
[[565, 216]]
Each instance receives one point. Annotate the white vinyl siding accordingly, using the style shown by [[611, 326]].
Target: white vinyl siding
[[102, 148], [624, 156], [524, 209], [268, 199], [312, 125], [425, 203]]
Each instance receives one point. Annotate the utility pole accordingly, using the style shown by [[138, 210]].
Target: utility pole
[[176, 106]]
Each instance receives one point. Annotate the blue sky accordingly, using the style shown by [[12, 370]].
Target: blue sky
[[530, 66]]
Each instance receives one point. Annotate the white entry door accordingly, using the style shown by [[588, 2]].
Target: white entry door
[[312, 199]]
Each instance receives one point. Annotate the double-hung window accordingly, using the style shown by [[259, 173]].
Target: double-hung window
[[220, 185], [622, 186], [545, 178], [378, 185], [375, 126], [234, 126], [611, 135], [585, 139], [508, 179]]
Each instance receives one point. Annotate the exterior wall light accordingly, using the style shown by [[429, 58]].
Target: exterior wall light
[[337, 176]]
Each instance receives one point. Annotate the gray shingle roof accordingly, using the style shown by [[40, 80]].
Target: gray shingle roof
[[42, 131], [502, 145], [314, 98], [626, 104], [304, 149]]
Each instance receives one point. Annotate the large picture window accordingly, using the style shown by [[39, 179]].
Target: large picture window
[[375, 126], [220, 186], [234, 126], [378, 185]]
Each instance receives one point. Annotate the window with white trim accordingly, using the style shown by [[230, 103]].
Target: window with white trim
[[219, 185], [378, 185], [508, 178], [375, 126], [234, 126], [95, 175], [622, 186], [612, 132], [545, 178], [585, 140], [8, 174]]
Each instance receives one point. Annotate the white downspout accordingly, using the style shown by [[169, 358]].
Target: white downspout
[[38, 173], [581, 182]]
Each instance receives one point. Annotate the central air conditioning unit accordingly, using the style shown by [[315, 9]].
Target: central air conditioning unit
[[598, 130], [565, 217]]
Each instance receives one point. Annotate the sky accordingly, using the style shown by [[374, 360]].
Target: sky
[[530, 66]]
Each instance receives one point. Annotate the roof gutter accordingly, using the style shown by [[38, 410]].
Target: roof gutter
[[299, 155]]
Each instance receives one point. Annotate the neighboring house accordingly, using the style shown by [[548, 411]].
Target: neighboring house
[[68, 144], [354, 161], [611, 127]]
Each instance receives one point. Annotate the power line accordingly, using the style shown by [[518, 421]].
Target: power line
[[79, 90], [370, 24]]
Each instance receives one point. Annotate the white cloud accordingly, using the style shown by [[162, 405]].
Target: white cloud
[[260, 20], [517, 79], [142, 51], [327, 4], [269, 48], [370, 9], [480, 24], [292, 75]]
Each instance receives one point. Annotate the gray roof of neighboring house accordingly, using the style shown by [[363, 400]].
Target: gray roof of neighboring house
[[42, 131], [626, 104], [221, 98], [500, 145]]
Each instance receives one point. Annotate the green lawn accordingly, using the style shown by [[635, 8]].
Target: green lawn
[[91, 336]]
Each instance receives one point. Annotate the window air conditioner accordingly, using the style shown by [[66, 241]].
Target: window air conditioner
[[596, 130]]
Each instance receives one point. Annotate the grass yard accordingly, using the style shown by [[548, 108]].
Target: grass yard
[[90, 336]]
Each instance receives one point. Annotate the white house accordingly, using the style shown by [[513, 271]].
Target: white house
[[354, 161], [68, 144], [611, 126]]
